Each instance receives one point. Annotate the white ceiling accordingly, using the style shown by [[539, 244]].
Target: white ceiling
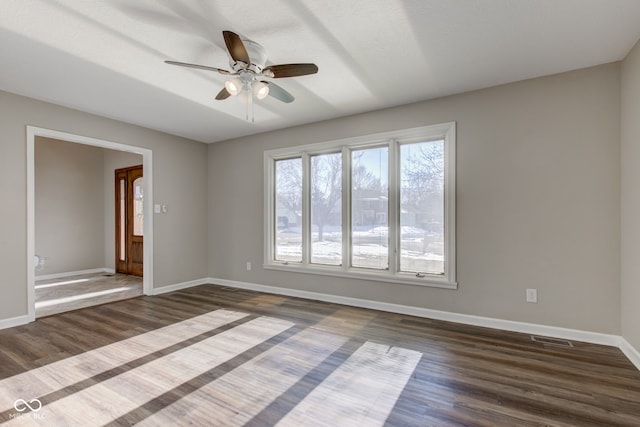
[[106, 56]]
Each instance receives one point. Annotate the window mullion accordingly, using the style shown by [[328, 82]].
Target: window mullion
[[393, 206], [346, 208], [306, 209]]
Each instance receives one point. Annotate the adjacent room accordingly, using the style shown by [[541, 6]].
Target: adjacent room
[[80, 222], [373, 212]]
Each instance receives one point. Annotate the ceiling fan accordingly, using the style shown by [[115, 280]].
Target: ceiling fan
[[247, 60]]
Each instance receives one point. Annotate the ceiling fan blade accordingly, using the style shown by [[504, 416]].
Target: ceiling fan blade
[[235, 47], [279, 93], [200, 67], [223, 94], [289, 70]]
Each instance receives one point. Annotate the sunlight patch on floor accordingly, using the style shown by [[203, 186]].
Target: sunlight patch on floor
[[66, 282], [89, 295]]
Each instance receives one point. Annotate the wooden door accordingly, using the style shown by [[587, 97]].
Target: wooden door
[[129, 220]]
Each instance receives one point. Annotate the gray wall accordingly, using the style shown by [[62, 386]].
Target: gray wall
[[631, 197], [69, 206], [180, 181], [538, 201]]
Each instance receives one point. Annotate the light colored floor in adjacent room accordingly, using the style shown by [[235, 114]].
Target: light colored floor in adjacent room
[[75, 292]]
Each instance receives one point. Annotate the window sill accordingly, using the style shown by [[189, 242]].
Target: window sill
[[405, 279]]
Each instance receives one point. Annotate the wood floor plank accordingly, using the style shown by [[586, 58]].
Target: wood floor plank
[[113, 397], [161, 351], [362, 391], [241, 394], [68, 371]]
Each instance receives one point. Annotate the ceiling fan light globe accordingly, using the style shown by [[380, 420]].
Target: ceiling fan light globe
[[233, 85], [260, 90]]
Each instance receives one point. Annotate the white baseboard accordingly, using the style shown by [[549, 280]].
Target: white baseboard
[[179, 286], [632, 354], [75, 273], [488, 322], [14, 321]]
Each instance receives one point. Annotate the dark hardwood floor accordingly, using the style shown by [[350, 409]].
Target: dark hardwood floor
[[212, 355]]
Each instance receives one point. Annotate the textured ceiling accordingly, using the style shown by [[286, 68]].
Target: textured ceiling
[[106, 56]]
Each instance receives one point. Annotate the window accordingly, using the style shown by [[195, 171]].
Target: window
[[288, 195], [422, 207], [326, 209], [369, 207], [379, 207], [138, 207]]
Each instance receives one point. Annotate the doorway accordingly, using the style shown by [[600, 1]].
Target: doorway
[[147, 161], [129, 203]]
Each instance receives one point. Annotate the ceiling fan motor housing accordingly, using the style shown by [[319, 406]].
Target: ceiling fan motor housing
[[257, 55]]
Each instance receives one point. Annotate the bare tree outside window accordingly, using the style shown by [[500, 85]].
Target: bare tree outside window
[[288, 204], [370, 208], [422, 207], [326, 209]]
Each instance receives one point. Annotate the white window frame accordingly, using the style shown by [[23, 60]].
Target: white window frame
[[445, 131]]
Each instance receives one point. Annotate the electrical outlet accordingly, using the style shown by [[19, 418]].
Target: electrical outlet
[[248, 265], [532, 295]]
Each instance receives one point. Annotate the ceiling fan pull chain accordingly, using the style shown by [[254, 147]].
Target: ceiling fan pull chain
[[250, 103]]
